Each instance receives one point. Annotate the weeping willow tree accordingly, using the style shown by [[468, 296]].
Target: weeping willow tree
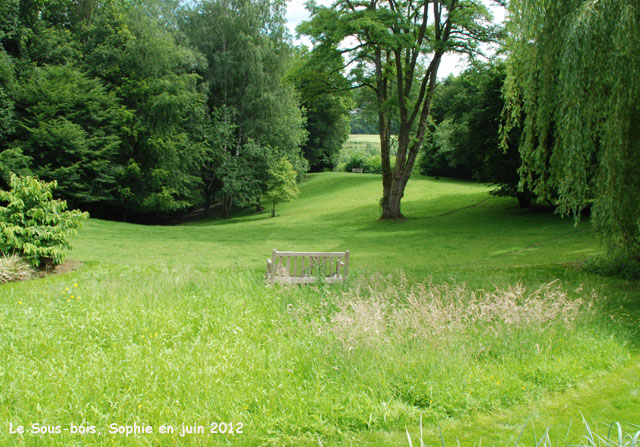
[[573, 85]]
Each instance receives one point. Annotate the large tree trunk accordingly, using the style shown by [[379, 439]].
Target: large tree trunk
[[391, 203]]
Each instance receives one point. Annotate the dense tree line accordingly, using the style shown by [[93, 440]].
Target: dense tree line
[[464, 139], [139, 109]]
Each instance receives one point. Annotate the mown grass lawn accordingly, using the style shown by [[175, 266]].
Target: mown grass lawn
[[173, 325]]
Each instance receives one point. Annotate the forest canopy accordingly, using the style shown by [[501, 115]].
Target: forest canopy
[[153, 108]]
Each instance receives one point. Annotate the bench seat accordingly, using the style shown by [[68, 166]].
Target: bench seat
[[303, 267]]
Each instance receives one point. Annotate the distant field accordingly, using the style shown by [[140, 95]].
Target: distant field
[[364, 139], [174, 325], [363, 145]]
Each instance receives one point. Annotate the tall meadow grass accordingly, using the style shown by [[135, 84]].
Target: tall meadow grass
[[182, 345]]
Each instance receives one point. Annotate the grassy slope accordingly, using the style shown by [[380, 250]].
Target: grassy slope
[[183, 284], [338, 211]]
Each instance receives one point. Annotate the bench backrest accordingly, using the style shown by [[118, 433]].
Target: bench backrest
[[308, 266]]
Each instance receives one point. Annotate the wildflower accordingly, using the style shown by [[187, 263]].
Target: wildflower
[[139, 406], [19, 302], [71, 296], [498, 382], [75, 284]]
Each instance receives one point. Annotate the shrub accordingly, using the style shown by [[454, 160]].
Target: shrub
[[14, 268], [356, 161], [369, 164], [373, 165], [33, 224], [619, 264]]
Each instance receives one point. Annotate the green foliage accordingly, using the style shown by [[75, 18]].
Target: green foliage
[[244, 177], [33, 224], [465, 136], [109, 105], [620, 264], [327, 102], [164, 141], [141, 110], [364, 116], [7, 85], [369, 165], [281, 184], [253, 104], [68, 130], [13, 160], [395, 49], [356, 161], [572, 85]]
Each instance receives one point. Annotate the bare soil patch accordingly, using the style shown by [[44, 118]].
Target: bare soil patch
[[70, 265]]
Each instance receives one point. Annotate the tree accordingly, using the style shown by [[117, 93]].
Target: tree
[[7, 86], [245, 45], [155, 78], [385, 43], [573, 85], [68, 128], [327, 101], [465, 141], [281, 185], [364, 116], [108, 103]]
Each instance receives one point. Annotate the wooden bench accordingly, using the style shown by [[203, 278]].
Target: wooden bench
[[300, 267], [358, 170]]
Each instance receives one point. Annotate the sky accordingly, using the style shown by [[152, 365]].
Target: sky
[[451, 64]]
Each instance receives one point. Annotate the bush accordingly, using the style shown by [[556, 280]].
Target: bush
[[619, 264], [356, 161], [373, 165], [14, 268], [369, 165], [33, 224]]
